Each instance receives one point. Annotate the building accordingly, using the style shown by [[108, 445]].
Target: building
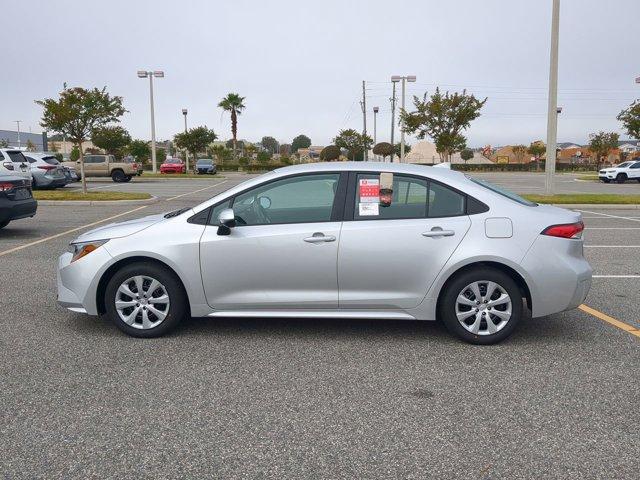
[[15, 139], [629, 146], [311, 154]]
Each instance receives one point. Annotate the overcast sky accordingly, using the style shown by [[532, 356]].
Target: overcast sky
[[300, 64]]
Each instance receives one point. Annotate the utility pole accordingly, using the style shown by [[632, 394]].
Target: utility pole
[[552, 108], [404, 79], [375, 128], [18, 123], [186, 152], [393, 114], [364, 121]]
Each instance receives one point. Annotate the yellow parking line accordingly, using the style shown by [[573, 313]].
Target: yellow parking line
[[46, 239], [606, 318]]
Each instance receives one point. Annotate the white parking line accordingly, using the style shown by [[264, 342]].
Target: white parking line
[[631, 219], [196, 191], [612, 246], [612, 228]]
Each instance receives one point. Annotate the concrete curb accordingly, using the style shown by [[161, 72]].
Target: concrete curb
[[586, 206], [95, 203]]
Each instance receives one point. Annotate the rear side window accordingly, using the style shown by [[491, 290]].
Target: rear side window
[[445, 202], [51, 160]]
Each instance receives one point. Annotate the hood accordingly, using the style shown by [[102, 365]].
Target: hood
[[121, 229]]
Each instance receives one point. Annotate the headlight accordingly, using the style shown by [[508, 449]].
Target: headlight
[[82, 249]]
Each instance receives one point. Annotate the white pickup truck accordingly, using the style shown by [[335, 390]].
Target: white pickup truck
[[621, 173]]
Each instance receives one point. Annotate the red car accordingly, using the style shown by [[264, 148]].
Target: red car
[[173, 165]]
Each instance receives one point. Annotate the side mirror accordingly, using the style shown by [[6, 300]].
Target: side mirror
[[227, 221]]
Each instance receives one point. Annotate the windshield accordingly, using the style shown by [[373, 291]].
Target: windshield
[[204, 162], [502, 191], [623, 164], [173, 160]]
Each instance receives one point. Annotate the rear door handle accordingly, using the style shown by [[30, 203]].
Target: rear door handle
[[438, 232], [320, 237]]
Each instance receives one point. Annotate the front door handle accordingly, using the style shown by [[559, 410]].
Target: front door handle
[[438, 232], [320, 237]]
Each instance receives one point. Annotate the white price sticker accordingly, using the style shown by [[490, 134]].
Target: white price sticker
[[368, 209]]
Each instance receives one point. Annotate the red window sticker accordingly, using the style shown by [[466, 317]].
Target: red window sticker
[[369, 190]]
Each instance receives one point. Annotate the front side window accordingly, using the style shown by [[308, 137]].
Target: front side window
[[301, 199]]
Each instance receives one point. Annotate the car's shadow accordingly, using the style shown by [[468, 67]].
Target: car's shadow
[[546, 330]]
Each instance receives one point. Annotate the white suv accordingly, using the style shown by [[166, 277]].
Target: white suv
[[13, 162], [621, 173]]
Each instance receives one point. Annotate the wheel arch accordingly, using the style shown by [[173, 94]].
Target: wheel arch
[[503, 267], [111, 271]]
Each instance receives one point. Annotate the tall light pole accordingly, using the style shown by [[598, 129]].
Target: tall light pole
[[394, 80], [157, 74], [18, 123], [186, 152], [552, 108], [405, 79], [375, 126]]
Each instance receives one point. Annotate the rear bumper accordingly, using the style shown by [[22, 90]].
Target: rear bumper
[[16, 209], [560, 275]]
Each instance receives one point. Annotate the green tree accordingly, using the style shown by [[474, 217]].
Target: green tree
[[630, 118], [537, 149], [161, 155], [354, 142], [466, 155], [4, 143], [77, 112], [250, 150], [112, 139], [270, 144], [330, 153], [140, 150], [383, 149], [31, 147], [232, 103], [195, 140], [74, 156], [221, 153], [518, 152], [442, 118], [602, 143], [407, 149], [263, 157], [301, 141]]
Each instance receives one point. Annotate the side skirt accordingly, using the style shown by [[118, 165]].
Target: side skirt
[[364, 314]]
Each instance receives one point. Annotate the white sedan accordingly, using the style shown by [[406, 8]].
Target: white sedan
[[336, 240]]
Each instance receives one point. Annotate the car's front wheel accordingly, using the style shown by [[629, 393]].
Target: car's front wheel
[[621, 178], [145, 300], [481, 306]]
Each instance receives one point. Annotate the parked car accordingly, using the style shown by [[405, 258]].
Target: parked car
[[46, 170], [106, 166], [621, 173], [13, 162], [172, 165], [131, 159], [71, 174], [336, 240], [16, 199], [205, 165]]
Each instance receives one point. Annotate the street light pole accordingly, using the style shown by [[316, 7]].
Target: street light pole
[[157, 74], [404, 79], [394, 80], [186, 152], [375, 127], [552, 108], [18, 123]]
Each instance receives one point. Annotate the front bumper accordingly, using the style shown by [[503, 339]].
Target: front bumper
[[78, 281]]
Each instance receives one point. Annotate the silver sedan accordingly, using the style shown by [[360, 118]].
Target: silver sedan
[[336, 240]]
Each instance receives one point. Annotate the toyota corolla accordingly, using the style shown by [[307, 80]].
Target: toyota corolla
[[336, 240]]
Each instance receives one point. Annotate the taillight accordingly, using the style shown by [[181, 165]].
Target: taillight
[[566, 230], [46, 167], [8, 165], [5, 187]]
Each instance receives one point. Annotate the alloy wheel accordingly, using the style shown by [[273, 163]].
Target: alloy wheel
[[483, 307], [142, 302]]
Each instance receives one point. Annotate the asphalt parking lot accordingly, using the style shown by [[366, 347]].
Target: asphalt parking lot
[[266, 398]]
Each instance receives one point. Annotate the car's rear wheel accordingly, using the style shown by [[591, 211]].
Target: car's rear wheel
[[481, 306], [128, 178], [145, 300], [621, 178], [118, 176]]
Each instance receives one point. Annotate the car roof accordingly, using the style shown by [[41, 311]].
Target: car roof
[[422, 170]]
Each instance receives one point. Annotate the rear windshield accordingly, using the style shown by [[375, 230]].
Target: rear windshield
[[16, 156], [204, 162], [502, 191], [51, 160]]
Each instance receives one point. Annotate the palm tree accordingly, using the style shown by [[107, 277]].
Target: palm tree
[[233, 103]]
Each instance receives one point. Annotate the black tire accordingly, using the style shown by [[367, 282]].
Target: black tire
[[178, 308], [128, 178], [621, 178], [447, 304], [4, 224], [638, 179], [606, 180], [118, 176]]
